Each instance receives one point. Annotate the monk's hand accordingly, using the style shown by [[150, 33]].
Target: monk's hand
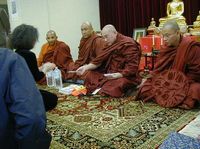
[[47, 67], [113, 75], [81, 70], [40, 68]]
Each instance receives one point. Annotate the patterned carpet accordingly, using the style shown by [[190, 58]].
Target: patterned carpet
[[96, 122]]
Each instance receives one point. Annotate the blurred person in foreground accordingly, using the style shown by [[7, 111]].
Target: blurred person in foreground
[[22, 113]]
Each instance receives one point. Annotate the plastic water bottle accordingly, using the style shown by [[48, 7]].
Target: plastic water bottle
[[57, 78], [50, 78]]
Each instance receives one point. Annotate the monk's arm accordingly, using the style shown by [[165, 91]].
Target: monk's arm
[[193, 64], [62, 57], [100, 44], [132, 59], [81, 70]]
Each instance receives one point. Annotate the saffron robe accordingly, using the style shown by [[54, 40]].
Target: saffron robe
[[175, 80], [123, 56], [59, 54], [89, 49]]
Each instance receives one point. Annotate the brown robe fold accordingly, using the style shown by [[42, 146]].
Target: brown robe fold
[[123, 57], [88, 49], [174, 82]]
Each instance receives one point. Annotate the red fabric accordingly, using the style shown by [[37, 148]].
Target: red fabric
[[168, 88], [147, 46], [59, 55], [176, 72], [174, 57], [147, 43], [88, 49], [123, 57]]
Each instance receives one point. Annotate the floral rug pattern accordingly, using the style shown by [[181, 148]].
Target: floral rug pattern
[[95, 122]]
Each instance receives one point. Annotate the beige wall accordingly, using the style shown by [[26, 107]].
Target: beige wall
[[3, 2], [63, 16]]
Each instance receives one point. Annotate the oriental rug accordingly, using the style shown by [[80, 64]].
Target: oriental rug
[[96, 122]]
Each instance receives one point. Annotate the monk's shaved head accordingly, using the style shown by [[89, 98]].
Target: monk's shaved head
[[109, 28], [172, 24], [171, 33], [109, 33], [87, 23], [51, 37], [51, 32], [86, 29]]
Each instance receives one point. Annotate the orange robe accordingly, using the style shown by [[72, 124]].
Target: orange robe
[[59, 54], [123, 57], [88, 49], [175, 82]]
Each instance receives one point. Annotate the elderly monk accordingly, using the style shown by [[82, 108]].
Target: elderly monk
[[56, 52], [175, 80], [90, 46], [116, 68]]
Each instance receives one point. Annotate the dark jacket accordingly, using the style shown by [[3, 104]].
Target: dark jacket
[[22, 122]]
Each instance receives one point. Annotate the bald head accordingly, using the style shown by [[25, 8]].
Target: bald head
[[51, 32], [51, 37], [88, 24], [171, 33], [109, 33], [109, 28], [171, 25], [86, 29]]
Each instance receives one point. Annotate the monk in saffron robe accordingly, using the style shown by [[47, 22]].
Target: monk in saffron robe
[[175, 82], [115, 70], [56, 52], [90, 46]]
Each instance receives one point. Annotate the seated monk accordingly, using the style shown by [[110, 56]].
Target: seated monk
[[115, 70], [175, 82], [175, 11], [90, 46], [56, 52]]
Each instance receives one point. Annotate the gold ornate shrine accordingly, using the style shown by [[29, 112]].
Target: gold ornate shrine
[[152, 27], [196, 26], [175, 10]]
